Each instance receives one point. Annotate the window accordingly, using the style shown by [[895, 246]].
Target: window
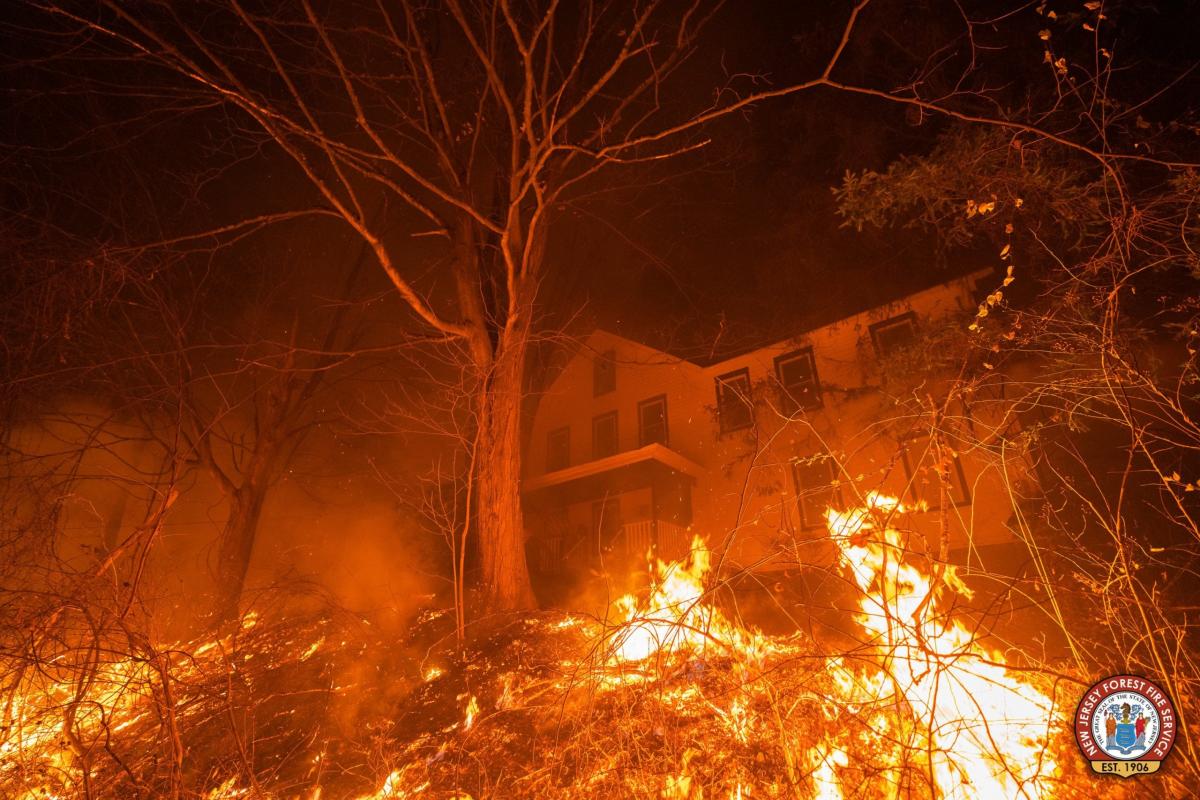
[[926, 477], [604, 373], [558, 449], [652, 421], [815, 488], [735, 410], [798, 384], [604, 435], [894, 334]]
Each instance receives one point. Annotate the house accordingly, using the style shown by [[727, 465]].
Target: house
[[634, 450]]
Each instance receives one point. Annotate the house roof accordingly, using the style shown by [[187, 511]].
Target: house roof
[[733, 343]]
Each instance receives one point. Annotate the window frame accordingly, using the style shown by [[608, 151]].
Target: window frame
[[747, 401], [790, 403], [666, 425], [609, 358], [566, 431], [616, 434], [834, 489], [934, 503], [908, 317]]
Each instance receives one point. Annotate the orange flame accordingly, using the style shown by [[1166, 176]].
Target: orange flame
[[676, 617], [985, 730]]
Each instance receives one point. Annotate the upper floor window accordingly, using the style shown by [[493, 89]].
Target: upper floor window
[[604, 435], [931, 469], [816, 488], [894, 334], [798, 384], [652, 421], [735, 409], [558, 449], [604, 373]]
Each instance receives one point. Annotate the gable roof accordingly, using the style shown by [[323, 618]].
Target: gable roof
[[720, 353], [736, 341]]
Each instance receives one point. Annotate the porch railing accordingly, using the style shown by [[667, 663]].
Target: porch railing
[[637, 538], [673, 541]]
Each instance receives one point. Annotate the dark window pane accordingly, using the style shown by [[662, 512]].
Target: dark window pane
[[604, 435], [814, 476], [927, 473], [735, 409], [894, 334], [604, 373], [798, 384], [652, 421], [558, 449]]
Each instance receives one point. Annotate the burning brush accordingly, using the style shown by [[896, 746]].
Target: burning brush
[[669, 697]]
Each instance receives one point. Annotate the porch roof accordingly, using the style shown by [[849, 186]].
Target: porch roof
[[651, 458]]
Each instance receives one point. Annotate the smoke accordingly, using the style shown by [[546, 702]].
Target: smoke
[[88, 496]]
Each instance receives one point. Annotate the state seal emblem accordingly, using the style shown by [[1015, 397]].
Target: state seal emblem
[[1125, 726]]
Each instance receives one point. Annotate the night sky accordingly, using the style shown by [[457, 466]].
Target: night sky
[[674, 253]]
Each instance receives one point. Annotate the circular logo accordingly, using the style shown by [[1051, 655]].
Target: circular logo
[[1125, 726]]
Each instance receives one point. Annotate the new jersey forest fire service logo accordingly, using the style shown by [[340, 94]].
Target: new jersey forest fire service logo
[[1125, 726]]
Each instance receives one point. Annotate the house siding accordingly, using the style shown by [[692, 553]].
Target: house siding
[[744, 497]]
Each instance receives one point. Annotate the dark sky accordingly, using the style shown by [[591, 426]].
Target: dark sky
[[745, 238], [743, 231]]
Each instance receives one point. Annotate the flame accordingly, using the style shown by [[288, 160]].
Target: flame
[[471, 713], [985, 731], [682, 786], [825, 783], [228, 790], [394, 788], [929, 692], [922, 696], [676, 617]]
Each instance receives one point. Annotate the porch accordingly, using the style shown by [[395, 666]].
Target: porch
[[632, 543], [609, 513]]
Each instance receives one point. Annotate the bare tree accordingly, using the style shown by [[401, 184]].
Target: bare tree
[[245, 391], [472, 122]]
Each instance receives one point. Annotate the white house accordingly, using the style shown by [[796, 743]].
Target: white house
[[633, 449]]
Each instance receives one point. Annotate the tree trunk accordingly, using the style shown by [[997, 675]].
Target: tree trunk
[[505, 578], [236, 547]]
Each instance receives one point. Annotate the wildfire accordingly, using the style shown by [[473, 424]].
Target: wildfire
[[929, 691], [676, 617], [984, 730], [674, 698]]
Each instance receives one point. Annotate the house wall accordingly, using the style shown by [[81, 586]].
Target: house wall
[[745, 501]]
